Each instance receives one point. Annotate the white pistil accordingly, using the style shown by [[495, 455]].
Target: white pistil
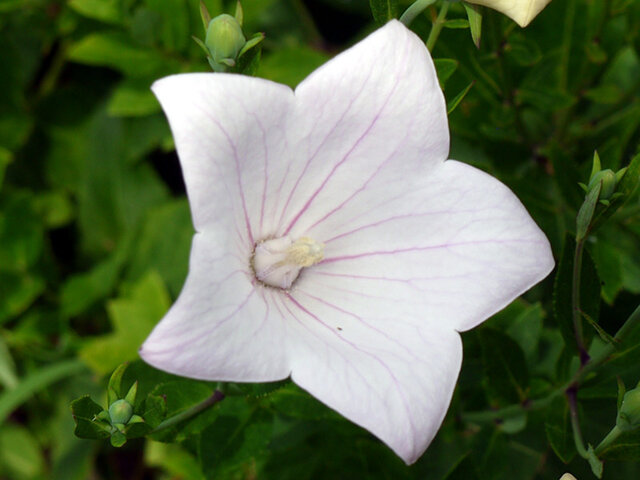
[[277, 262]]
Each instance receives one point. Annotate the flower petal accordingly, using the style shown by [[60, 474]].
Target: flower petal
[[221, 327], [229, 131], [521, 11], [450, 248], [377, 370], [373, 113]]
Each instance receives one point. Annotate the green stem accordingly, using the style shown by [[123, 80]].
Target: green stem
[[217, 397], [415, 9], [610, 438], [575, 422], [512, 410], [492, 415], [575, 300], [437, 26]]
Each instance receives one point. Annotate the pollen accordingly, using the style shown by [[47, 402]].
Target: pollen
[[305, 252], [277, 262]]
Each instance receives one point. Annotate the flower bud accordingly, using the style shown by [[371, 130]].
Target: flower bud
[[120, 412], [609, 181], [629, 413], [224, 38]]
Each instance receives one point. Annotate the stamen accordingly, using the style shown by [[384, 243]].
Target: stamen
[[277, 262]]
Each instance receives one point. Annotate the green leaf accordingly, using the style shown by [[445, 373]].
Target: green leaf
[[20, 454], [179, 396], [585, 214], [383, 10], [108, 11], [523, 50], [292, 401], [558, 429], [174, 22], [291, 65], [118, 439], [475, 22], [81, 291], [249, 61], [114, 388], [163, 245], [19, 291], [627, 186], [133, 317], [624, 448], [115, 50], [233, 441], [6, 157], [589, 293], [85, 411], [545, 99], [173, 459], [456, 23], [445, 68], [8, 376], [133, 98], [155, 410], [21, 233], [452, 104], [526, 329], [465, 469], [505, 368], [34, 382]]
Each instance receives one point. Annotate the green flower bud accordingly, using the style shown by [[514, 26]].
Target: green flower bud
[[609, 181], [120, 411], [629, 413], [224, 38]]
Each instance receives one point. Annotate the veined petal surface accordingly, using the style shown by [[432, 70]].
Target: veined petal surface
[[451, 248], [221, 327], [416, 247], [371, 115]]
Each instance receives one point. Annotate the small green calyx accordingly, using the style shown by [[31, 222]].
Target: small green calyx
[[629, 413], [224, 40], [609, 181], [120, 412]]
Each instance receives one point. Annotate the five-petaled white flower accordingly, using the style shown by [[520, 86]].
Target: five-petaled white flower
[[335, 243], [521, 11]]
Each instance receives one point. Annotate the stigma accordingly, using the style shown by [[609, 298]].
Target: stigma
[[277, 262]]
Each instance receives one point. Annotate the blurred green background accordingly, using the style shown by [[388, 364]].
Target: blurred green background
[[95, 233]]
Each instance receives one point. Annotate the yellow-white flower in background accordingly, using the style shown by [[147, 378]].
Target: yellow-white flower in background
[[521, 11]]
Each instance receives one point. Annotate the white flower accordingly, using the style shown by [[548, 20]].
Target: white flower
[[521, 11], [334, 242]]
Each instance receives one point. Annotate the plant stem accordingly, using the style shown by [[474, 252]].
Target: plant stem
[[217, 396], [611, 436], [575, 300], [575, 422], [537, 404], [415, 9], [437, 26]]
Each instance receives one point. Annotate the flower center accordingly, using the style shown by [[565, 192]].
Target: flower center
[[277, 262]]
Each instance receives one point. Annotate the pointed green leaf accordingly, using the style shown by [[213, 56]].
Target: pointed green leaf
[[505, 368], [585, 214], [451, 105], [114, 388], [445, 68], [475, 22]]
